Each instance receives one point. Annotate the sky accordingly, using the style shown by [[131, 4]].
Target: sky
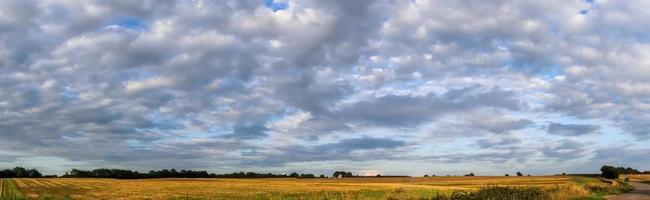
[[391, 87]]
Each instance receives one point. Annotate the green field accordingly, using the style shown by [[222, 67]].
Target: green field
[[546, 187]]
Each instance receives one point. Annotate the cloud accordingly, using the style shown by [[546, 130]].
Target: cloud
[[287, 82], [619, 156], [566, 150], [248, 131], [571, 129], [352, 149]]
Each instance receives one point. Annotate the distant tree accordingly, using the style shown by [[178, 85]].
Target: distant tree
[[609, 172], [470, 174], [520, 174], [507, 174], [248, 175], [307, 176], [20, 172], [322, 176], [627, 170], [378, 175], [340, 174], [528, 175], [426, 175], [7, 173], [294, 175], [563, 174], [33, 173]]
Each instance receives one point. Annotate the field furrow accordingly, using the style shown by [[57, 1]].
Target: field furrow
[[2, 184], [10, 190]]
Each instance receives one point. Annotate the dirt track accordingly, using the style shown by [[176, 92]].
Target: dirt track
[[641, 191]]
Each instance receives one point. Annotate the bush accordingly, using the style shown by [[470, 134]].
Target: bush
[[609, 172]]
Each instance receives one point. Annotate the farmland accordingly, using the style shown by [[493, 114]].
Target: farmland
[[637, 177], [558, 187]]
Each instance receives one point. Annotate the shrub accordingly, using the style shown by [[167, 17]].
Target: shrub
[[609, 172]]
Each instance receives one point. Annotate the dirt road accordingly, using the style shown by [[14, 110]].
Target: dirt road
[[641, 191]]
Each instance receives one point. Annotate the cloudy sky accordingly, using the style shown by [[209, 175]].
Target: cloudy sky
[[393, 87]]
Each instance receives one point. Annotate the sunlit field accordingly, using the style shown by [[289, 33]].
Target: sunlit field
[[558, 187], [637, 177]]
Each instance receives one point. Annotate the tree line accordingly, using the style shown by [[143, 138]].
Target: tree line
[[173, 173], [612, 172], [266, 175], [20, 172]]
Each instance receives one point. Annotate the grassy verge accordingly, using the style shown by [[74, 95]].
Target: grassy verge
[[10, 190], [599, 191]]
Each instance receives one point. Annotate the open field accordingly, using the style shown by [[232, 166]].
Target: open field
[[559, 187], [636, 177]]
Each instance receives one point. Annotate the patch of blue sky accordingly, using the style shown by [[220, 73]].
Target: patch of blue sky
[[69, 94], [275, 6], [131, 23], [549, 73], [546, 72]]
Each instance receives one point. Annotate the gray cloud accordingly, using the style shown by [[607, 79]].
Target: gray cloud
[[242, 131], [113, 82], [622, 156], [566, 150], [353, 149], [571, 129]]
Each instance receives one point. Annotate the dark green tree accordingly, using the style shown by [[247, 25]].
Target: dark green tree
[[609, 172], [20, 172]]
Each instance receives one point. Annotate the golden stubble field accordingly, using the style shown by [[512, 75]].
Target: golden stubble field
[[636, 177], [286, 188]]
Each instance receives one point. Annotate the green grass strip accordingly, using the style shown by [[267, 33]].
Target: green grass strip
[[10, 190]]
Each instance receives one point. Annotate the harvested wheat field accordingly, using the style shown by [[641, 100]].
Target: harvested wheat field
[[636, 177], [553, 187]]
